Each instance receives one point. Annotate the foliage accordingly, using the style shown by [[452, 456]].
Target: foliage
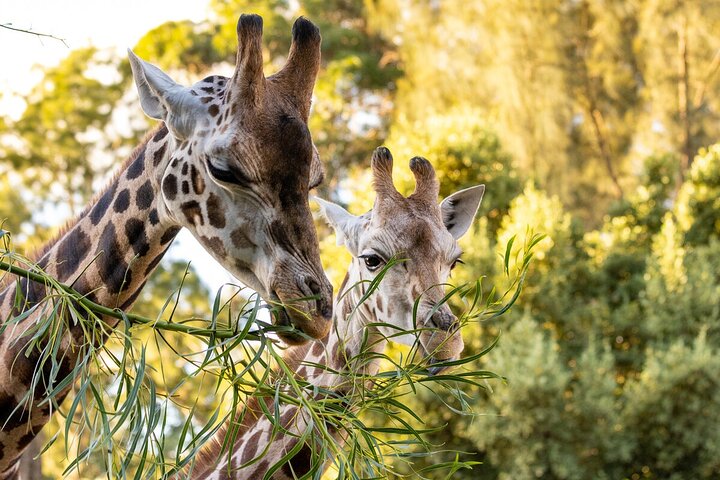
[[699, 199], [581, 117], [118, 405], [63, 124], [670, 410]]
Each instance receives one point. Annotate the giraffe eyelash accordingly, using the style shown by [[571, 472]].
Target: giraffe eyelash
[[454, 263]]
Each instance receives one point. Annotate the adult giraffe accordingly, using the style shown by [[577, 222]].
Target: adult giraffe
[[415, 229], [233, 162]]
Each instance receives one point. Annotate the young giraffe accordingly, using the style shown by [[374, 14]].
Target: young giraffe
[[415, 229], [233, 162]]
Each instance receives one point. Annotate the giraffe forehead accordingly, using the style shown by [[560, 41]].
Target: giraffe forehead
[[271, 137], [420, 240]]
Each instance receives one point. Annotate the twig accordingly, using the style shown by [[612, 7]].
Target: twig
[[119, 314], [37, 34]]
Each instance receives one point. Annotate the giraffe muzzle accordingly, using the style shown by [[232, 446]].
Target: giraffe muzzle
[[309, 314]]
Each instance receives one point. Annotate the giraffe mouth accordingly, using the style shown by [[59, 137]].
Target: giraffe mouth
[[288, 332], [435, 369]]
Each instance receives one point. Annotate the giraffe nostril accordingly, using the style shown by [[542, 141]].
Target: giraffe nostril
[[310, 287], [443, 320]]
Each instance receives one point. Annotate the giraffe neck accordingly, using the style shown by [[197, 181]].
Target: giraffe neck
[[107, 255], [349, 336], [346, 347]]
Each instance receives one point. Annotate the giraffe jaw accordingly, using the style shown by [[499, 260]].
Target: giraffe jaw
[[283, 319]]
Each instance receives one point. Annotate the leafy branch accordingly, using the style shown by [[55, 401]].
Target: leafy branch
[[119, 412]]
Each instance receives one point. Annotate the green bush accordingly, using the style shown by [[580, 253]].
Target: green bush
[[672, 410]]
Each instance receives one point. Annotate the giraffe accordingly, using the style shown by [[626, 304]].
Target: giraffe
[[233, 162], [413, 228]]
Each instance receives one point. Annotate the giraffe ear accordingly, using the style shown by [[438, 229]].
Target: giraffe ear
[[346, 225], [459, 209], [317, 172], [163, 99]]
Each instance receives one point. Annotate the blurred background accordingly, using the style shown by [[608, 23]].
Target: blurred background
[[591, 121]]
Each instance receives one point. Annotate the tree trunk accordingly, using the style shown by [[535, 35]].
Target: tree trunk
[[686, 150]]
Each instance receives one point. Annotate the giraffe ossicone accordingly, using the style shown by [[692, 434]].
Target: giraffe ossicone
[[408, 306], [233, 162]]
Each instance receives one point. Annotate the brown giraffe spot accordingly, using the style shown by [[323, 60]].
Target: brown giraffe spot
[[73, 249], [215, 211], [31, 291], [213, 110], [300, 464], [137, 166], [144, 196], [160, 133], [346, 309], [98, 211], [197, 180], [264, 466], [169, 234], [318, 349], [81, 285], [225, 473], [185, 187], [112, 267], [251, 447], [193, 212], [169, 186], [341, 291], [286, 417], [215, 244], [242, 265], [185, 168], [135, 233], [25, 440], [206, 99], [9, 419], [240, 239], [154, 263], [153, 217], [159, 153], [122, 202]]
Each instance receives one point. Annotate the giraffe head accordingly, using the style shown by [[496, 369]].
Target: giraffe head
[[239, 165], [420, 233]]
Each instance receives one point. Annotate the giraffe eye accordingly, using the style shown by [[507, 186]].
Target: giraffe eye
[[454, 264], [227, 174], [372, 261]]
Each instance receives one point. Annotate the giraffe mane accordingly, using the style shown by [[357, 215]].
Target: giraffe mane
[[40, 251], [37, 253]]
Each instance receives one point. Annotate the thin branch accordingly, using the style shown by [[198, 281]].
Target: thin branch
[[37, 34], [119, 314]]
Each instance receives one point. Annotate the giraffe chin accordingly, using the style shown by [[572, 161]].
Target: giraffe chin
[[295, 319], [435, 369], [282, 319]]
